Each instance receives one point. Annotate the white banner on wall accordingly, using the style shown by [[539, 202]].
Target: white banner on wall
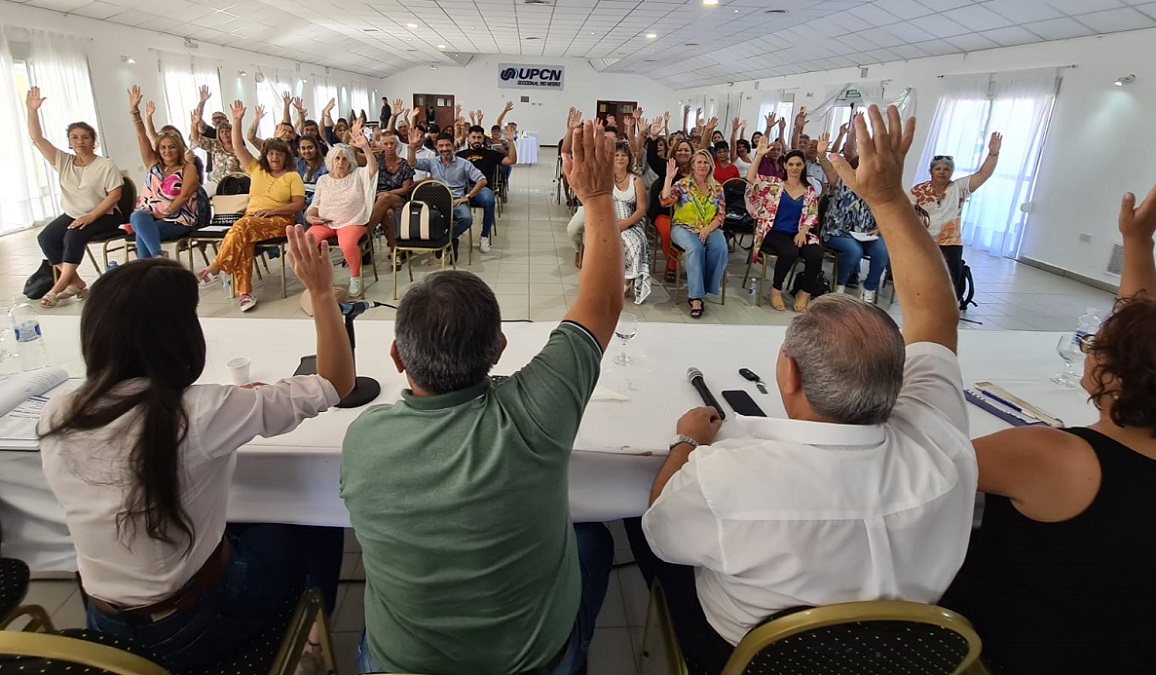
[[527, 76]]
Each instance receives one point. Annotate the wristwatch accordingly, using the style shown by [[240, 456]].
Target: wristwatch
[[679, 438]]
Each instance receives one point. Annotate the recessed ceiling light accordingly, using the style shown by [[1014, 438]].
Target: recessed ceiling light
[[691, 44], [775, 11], [736, 11], [369, 30], [532, 38], [536, 2], [411, 25], [433, 67], [411, 50], [651, 36], [709, 2], [441, 46]]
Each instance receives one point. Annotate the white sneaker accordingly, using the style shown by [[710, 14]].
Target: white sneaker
[[246, 302], [355, 286], [840, 289], [485, 244], [869, 297]]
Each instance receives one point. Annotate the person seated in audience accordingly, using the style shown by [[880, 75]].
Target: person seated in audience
[[456, 172], [90, 188], [311, 166], [285, 129], [422, 152], [1058, 578], [699, 209], [152, 135], [309, 129], [847, 213], [141, 460], [495, 140], [772, 163], [488, 162], [334, 132], [438, 484], [395, 180], [222, 158], [630, 210], [724, 170], [343, 202], [786, 212], [276, 196], [865, 492], [168, 198], [682, 152], [282, 132], [742, 158], [943, 198]]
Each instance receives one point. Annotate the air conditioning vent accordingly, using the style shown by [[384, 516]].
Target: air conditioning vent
[[1116, 264]]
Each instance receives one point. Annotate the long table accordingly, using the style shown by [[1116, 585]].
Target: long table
[[294, 477]]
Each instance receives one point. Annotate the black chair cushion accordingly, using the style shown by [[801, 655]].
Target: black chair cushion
[[257, 657], [108, 236], [424, 244], [865, 648], [20, 665], [13, 584]]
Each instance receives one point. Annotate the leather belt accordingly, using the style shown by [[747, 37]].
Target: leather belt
[[204, 581]]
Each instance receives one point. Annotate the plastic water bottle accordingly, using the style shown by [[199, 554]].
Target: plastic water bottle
[[30, 347], [227, 284], [111, 266], [1087, 324]]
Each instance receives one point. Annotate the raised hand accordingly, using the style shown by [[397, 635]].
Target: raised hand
[[310, 261], [782, 125], [1138, 223], [711, 124], [574, 120], [508, 134], [743, 128], [134, 97], [879, 178], [238, 111], [656, 127], [415, 136], [329, 106], [357, 134], [150, 109], [259, 111], [479, 117], [801, 118], [590, 171], [458, 110], [397, 104], [298, 104], [824, 144], [473, 117], [666, 116], [195, 119], [204, 93], [995, 143], [33, 100], [671, 168], [763, 147], [843, 128], [770, 120], [735, 125], [286, 97], [508, 108]]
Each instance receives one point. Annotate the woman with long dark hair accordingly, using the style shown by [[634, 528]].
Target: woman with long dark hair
[[141, 460]]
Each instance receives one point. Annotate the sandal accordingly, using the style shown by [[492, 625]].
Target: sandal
[[49, 300], [777, 303], [801, 303], [74, 291], [696, 312], [206, 279]]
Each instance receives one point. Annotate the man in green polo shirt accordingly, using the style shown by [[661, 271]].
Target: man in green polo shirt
[[458, 493]]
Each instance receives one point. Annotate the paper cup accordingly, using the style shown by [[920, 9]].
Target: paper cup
[[239, 370]]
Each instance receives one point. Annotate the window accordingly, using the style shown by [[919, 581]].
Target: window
[[182, 80], [839, 116]]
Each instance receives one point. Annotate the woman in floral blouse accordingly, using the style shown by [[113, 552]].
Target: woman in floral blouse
[[785, 213], [699, 208]]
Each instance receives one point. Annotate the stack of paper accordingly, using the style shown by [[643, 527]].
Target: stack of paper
[[22, 399]]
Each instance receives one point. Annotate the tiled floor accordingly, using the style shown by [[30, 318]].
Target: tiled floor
[[531, 269]]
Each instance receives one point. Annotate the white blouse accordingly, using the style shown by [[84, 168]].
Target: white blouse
[[90, 475]]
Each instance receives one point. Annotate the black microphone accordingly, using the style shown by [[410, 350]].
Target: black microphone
[[694, 376]]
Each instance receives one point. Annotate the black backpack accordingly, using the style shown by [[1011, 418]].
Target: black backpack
[[821, 286], [40, 282], [966, 290]]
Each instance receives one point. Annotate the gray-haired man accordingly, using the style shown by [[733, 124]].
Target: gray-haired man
[[458, 493], [866, 492]]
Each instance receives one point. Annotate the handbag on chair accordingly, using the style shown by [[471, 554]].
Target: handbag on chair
[[419, 221]]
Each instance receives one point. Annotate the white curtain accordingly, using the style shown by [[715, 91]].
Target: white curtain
[[269, 95], [29, 190], [360, 101], [183, 76], [323, 93], [1017, 104]]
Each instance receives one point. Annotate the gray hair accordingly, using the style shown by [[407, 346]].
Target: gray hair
[[340, 149], [850, 358], [449, 331], [946, 161]]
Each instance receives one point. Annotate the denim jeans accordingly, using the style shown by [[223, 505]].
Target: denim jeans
[[705, 263], [485, 199], [265, 576], [150, 232], [851, 251], [595, 557], [463, 220]]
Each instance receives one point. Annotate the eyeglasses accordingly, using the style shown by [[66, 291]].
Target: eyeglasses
[[940, 158], [1086, 343]]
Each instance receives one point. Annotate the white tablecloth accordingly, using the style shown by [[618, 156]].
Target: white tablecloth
[[527, 150], [294, 477]]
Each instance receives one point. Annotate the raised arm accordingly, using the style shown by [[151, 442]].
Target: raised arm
[[287, 101], [734, 138], [148, 155], [704, 142], [502, 115], [150, 129], [573, 121], [33, 101], [1137, 226], [358, 140], [838, 145], [239, 147], [824, 161], [203, 95], [590, 172], [299, 106], [511, 157], [975, 180], [251, 134], [310, 262], [800, 124], [413, 143], [763, 148], [926, 296]]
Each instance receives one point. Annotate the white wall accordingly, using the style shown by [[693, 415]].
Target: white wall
[[1099, 144], [476, 87], [112, 77]]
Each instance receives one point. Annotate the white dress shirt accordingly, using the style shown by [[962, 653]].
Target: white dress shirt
[[90, 475], [805, 513]]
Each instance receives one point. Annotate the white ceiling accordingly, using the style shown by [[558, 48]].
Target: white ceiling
[[695, 44]]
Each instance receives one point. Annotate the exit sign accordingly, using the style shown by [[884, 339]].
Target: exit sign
[[852, 93]]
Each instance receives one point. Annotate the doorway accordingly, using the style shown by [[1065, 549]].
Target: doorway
[[438, 108], [618, 109]]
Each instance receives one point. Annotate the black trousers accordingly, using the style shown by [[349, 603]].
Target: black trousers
[[782, 244], [62, 245], [954, 257], [703, 649]]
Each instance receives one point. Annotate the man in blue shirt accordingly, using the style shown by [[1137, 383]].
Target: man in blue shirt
[[455, 172]]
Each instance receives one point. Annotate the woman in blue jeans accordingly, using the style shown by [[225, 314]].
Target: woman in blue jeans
[[847, 214], [168, 199], [699, 209], [141, 460]]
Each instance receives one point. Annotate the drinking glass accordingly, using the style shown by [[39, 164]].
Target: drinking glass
[[1069, 350], [626, 329]]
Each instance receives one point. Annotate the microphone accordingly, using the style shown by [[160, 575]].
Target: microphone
[[355, 309], [694, 376]]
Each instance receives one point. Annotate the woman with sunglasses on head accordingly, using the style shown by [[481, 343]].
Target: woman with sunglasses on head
[[1059, 580], [943, 198]]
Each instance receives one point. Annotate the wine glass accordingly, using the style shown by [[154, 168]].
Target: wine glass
[[1069, 350], [626, 329]]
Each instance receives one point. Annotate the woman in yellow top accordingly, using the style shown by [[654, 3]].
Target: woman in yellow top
[[699, 208], [276, 196]]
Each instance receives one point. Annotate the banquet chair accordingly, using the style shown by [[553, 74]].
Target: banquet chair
[[14, 583], [76, 652], [429, 191], [767, 260], [659, 625], [881, 637], [116, 239], [437, 194], [737, 223], [833, 256]]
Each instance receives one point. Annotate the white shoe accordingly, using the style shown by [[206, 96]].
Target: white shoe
[[840, 289], [869, 297], [355, 286], [484, 245], [246, 302]]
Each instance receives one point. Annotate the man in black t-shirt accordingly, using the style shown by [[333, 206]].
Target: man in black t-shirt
[[487, 161]]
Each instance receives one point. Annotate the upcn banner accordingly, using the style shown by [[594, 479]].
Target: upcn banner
[[523, 76]]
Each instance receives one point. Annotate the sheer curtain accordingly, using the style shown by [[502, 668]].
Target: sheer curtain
[[359, 99], [269, 95], [323, 93], [183, 77], [1018, 104], [29, 190]]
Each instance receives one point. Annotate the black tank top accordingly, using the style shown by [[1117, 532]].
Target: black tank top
[[1077, 596]]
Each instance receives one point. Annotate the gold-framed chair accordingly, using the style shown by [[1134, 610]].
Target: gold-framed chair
[[14, 582], [437, 194], [57, 653], [680, 270], [880, 637], [428, 192], [659, 625], [734, 190]]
